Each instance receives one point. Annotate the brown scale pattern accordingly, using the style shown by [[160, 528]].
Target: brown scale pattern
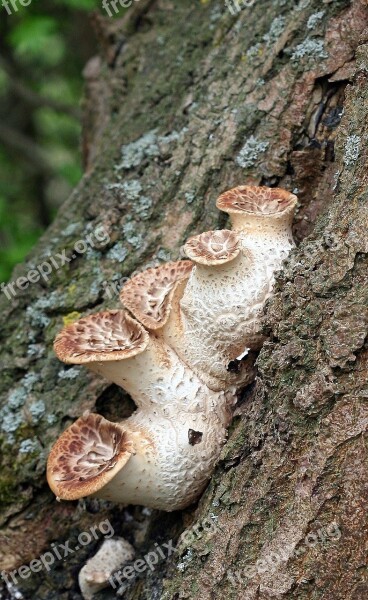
[[83, 458], [213, 247], [256, 200], [148, 295], [109, 335]]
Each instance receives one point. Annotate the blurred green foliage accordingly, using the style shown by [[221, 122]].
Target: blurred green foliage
[[43, 49]]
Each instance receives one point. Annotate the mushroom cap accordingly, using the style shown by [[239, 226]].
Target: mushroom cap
[[213, 247], [104, 336], [257, 200], [87, 456], [149, 294]]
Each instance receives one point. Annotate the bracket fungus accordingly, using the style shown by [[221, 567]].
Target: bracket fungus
[[148, 295], [116, 346], [216, 305], [189, 346], [147, 457], [260, 210], [87, 456]]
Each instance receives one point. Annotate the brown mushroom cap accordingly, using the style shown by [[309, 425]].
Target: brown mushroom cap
[[257, 200], [87, 456], [213, 247], [104, 336], [149, 294]]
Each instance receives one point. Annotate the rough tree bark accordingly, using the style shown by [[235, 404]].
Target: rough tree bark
[[185, 101]]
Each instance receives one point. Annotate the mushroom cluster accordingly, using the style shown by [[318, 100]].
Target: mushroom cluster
[[185, 343]]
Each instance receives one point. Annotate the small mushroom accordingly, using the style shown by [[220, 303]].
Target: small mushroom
[[212, 313], [114, 345], [259, 209], [94, 576], [87, 456], [148, 295], [213, 248]]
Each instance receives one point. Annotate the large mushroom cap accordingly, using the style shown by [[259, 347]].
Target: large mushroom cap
[[257, 200], [105, 336], [213, 247], [87, 456], [149, 294]]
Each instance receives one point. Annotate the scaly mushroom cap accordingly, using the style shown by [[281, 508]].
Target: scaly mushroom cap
[[149, 294], [213, 247], [87, 456], [257, 200], [105, 336]]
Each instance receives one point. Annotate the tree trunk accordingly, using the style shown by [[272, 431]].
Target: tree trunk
[[186, 101]]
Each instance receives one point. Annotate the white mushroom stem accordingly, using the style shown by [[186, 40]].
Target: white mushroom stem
[[216, 321], [265, 224], [95, 575], [207, 310], [262, 218], [147, 376], [160, 457], [174, 460]]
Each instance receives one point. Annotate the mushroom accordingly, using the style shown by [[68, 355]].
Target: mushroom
[[149, 458], [87, 456], [219, 312], [148, 295], [162, 459], [260, 211], [153, 298], [96, 573], [262, 218], [204, 327], [114, 345]]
